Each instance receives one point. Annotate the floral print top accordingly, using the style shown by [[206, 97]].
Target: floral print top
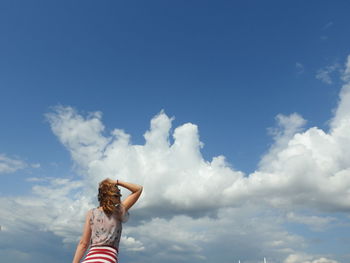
[[107, 230]]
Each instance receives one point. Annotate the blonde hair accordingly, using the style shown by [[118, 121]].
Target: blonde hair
[[107, 191]]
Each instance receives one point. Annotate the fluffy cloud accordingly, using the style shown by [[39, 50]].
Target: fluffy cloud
[[242, 233], [304, 167], [175, 176], [131, 244], [189, 204], [303, 258]]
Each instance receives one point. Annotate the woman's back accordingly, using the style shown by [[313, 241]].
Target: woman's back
[[106, 230]]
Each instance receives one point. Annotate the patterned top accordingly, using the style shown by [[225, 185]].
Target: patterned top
[[107, 230]]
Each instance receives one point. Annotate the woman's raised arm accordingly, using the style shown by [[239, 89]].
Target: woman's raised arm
[[132, 198]]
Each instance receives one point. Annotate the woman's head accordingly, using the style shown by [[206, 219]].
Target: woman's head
[[108, 195]]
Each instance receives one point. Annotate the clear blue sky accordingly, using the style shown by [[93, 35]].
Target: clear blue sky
[[227, 66]]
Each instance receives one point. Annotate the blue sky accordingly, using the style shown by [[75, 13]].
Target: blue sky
[[228, 67]]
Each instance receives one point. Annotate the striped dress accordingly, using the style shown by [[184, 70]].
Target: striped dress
[[101, 254]]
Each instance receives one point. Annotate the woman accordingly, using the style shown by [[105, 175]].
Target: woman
[[103, 225]]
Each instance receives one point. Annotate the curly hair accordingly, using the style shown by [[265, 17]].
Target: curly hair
[[108, 196]]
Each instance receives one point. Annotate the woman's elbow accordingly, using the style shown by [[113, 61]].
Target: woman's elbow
[[83, 244]]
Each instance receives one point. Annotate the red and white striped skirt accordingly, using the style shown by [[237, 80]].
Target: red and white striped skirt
[[101, 254]]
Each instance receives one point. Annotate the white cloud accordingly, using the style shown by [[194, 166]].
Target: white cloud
[[325, 74], [38, 179], [308, 168], [180, 169], [35, 165], [45, 212], [190, 204], [248, 233], [304, 258], [316, 223], [340, 122], [287, 127], [176, 177], [9, 165], [131, 244]]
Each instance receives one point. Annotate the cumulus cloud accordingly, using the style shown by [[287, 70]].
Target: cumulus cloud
[[50, 209], [304, 258], [190, 204], [304, 167], [175, 175], [131, 244], [242, 233]]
